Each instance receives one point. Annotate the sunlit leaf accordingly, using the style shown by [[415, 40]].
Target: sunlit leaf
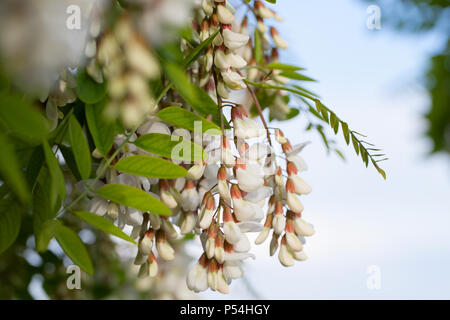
[[103, 224], [133, 197], [183, 118], [151, 167]]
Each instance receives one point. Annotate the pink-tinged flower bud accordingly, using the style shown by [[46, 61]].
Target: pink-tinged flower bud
[[166, 197], [279, 177], [189, 220], [208, 59], [234, 40], [292, 241], [220, 59], [228, 159], [271, 204], [222, 185], [243, 210], [165, 250], [196, 279], [213, 268], [207, 211], [301, 187], [222, 284], [224, 14], [261, 26], [155, 221], [279, 220], [204, 30], [210, 245], [285, 256], [196, 171], [262, 11], [273, 244], [168, 228], [262, 236], [146, 243], [190, 198], [207, 7], [219, 252], [301, 227], [300, 256], [277, 16], [279, 41], [292, 200], [287, 147], [230, 229], [153, 265]]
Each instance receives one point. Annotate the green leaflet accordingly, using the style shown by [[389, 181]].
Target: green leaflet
[[10, 220], [72, 245], [103, 224], [258, 51], [133, 197], [195, 97], [80, 147], [88, 90], [188, 120], [200, 48], [102, 130], [10, 170], [170, 146], [57, 184], [151, 167], [22, 119]]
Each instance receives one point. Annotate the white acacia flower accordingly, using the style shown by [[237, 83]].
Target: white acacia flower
[[153, 265], [279, 41], [300, 256], [302, 228], [235, 60], [221, 60], [188, 222], [234, 40], [262, 11], [245, 127], [196, 171], [206, 211], [292, 200], [196, 279], [146, 244], [232, 269], [233, 79], [250, 177], [224, 14], [190, 197], [231, 230], [292, 241], [285, 255], [165, 250]]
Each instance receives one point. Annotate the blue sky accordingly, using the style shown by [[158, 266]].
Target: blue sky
[[371, 79]]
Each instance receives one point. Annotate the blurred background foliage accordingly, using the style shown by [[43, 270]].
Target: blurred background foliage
[[419, 17]]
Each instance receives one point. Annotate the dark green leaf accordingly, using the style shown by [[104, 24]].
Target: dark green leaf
[[57, 184], [133, 197], [195, 97], [103, 224], [355, 144], [74, 248], [10, 170], [102, 130], [80, 147], [345, 132], [88, 90], [24, 121], [47, 232], [10, 220]]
